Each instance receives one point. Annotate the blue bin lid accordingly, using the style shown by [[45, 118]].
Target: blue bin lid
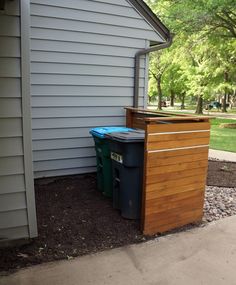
[[100, 132]]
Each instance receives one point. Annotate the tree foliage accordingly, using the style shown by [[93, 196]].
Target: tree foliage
[[201, 62]]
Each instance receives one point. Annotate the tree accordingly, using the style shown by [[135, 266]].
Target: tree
[[213, 17], [224, 69], [201, 62], [158, 65]]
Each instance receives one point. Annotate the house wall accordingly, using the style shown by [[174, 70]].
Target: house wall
[[82, 75], [15, 216]]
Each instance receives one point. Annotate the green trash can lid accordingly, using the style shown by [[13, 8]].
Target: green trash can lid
[[100, 132], [132, 136]]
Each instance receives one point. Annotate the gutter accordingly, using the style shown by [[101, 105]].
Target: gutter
[[137, 65]]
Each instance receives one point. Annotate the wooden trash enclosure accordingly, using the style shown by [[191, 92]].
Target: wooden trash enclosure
[[175, 168]]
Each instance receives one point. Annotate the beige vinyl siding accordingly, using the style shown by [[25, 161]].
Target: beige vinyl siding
[[9, 185], [14, 233], [82, 76], [10, 108], [12, 219], [11, 201], [13, 212], [10, 87], [10, 127]]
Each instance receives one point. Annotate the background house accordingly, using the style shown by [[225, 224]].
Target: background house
[[65, 66]]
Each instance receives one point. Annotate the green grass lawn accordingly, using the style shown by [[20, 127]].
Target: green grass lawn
[[222, 139]]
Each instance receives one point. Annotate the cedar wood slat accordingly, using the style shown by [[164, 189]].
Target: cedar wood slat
[[170, 137], [176, 175], [165, 221], [178, 143], [154, 160], [174, 179], [175, 201], [138, 123], [152, 183], [171, 168], [153, 194], [177, 127]]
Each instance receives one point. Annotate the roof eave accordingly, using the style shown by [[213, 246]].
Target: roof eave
[[153, 20]]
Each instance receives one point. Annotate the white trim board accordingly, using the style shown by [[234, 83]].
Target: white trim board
[[26, 120]]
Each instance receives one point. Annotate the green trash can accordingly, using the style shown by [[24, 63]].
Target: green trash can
[[104, 164]]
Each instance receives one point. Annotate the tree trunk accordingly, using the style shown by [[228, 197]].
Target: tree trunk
[[182, 107], [172, 98], [159, 92], [224, 109], [199, 109]]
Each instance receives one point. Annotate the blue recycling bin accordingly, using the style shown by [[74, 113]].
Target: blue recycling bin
[[103, 158]]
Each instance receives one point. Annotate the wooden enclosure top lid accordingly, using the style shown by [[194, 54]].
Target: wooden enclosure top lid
[[158, 116]]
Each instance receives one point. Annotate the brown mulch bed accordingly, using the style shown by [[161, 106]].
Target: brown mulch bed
[[74, 219], [221, 174]]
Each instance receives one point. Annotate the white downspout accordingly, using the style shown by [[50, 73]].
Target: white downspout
[[137, 66]]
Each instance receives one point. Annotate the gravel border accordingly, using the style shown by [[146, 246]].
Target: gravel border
[[220, 202]]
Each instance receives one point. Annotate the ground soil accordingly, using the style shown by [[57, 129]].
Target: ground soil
[[75, 219], [221, 174]]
